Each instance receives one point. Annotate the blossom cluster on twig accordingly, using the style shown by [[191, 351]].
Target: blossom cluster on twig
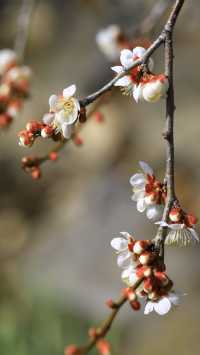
[[14, 86]]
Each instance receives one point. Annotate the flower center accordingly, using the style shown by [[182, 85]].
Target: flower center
[[69, 106]]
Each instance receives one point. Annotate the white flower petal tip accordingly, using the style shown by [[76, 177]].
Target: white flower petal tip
[[126, 58], [52, 101], [141, 206], [117, 69], [67, 130], [181, 236], [69, 91], [138, 93], [163, 305], [146, 168], [138, 52], [162, 223], [7, 58], [119, 244], [123, 82], [137, 180], [154, 212], [48, 118]]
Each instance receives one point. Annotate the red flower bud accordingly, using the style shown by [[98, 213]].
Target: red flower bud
[[135, 305], [53, 156], [71, 350]]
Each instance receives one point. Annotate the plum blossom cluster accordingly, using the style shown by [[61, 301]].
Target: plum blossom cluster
[[140, 263], [181, 227], [14, 86], [58, 123], [150, 197], [140, 82], [148, 192]]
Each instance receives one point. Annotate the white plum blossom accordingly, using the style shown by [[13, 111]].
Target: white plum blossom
[[7, 59], [107, 41], [121, 246], [64, 111], [179, 234], [130, 81], [145, 201], [163, 305]]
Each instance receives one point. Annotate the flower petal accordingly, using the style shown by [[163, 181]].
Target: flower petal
[[141, 206], [162, 223], [154, 212], [137, 92], [149, 307], [139, 194], [163, 306], [174, 298], [126, 58], [194, 235], [146, 168], [48, 118], [123, 259], [67, 130], [52, 102], [138, 52], [124, 81], [117, 69], [69, 91], [138, 179], [119, 244]]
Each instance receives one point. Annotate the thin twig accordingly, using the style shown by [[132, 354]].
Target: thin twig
[[105, 327], [155, 45], [169, 129], [166, 37], [23, 23]]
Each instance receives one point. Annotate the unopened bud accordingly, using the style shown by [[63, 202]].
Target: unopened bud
[[53, 156], [146, 258], [33, 126], [140, 246], [135, 305], [36, 173], [47, 132], [175, 214], [71, 350]]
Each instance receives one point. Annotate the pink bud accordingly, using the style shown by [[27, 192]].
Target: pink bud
[[71, 350], [103, 347]]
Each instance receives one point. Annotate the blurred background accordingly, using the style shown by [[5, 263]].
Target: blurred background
[[57, 266]]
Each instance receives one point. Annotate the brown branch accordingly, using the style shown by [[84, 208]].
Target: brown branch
[[169, 124], [166, 36], [102, 331]]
